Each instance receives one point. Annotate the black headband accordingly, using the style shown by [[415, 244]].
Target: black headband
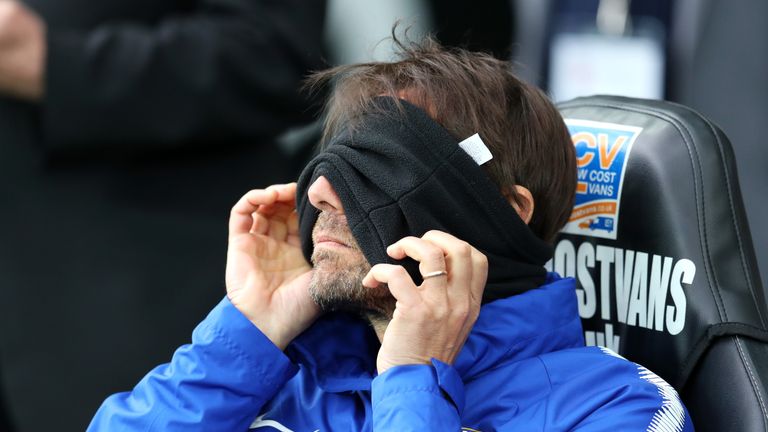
[[400, 173]]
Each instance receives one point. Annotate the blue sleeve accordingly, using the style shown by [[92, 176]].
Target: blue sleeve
[[418, 398], [652, 407], [600, 391], [217, 383]]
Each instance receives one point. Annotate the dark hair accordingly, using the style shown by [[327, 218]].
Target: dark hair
[[467, 93]]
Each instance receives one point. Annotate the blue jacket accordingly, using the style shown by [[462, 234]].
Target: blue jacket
[[524, 367]]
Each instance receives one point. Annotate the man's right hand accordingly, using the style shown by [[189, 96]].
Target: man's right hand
[[267, 276]]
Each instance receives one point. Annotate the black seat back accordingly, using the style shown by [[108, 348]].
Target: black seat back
[[660, 246]]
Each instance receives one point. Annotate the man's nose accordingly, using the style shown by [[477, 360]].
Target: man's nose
[[323, 197]]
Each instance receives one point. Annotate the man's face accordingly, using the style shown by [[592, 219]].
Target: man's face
[[339, 264]]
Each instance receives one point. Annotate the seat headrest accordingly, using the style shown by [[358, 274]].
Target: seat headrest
[[658, 239]]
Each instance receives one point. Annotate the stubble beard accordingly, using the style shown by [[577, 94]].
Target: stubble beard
[[336, 283]]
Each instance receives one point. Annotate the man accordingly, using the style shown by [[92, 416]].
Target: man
[[426, 307]]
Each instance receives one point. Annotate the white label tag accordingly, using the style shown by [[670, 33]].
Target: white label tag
[[476, 149]]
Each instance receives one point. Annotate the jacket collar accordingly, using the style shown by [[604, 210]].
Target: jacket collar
[[339, 350]]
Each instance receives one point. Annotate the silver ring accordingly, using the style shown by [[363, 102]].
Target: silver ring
[[434, 274]]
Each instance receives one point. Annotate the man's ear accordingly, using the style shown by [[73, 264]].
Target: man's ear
[[523, 205]]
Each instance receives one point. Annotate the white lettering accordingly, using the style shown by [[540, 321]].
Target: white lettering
[[645, 294], [548, 266], [585, 259], [623, 279], [657, 291], [565, 259], [612, 341], [638, 299], [600, 338], [602, 176], [589, 338], [683, 273], [605, 339], [605, 256], [600, 189]]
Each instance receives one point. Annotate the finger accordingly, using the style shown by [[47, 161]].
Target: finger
[[469, 269], [458, 257], [293, 238], [241, 217], [293, 223], [260, 224], [430, 257], [273, 220], [278, 230], [479, 274], [397, 279], [285, 192], [268, 216], [277, 210]]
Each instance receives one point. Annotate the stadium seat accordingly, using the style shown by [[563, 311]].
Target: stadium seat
[[659, 244]]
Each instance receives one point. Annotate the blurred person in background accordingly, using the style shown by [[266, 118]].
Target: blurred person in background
[[127, 127]]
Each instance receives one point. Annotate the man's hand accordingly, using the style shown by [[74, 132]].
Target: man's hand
[[267, 275], [434, 319], [22, 51]]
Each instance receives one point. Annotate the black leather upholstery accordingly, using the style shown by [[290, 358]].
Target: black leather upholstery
[[677, 289]]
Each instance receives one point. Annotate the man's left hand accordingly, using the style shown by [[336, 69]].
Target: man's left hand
[[22, 51], [431, 320]]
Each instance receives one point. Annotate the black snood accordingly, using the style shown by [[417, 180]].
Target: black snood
[[400, 173]]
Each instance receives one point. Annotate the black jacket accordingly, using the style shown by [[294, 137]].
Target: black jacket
[[115, 190]]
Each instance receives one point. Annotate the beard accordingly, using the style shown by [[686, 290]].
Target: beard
[[336, 283]]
